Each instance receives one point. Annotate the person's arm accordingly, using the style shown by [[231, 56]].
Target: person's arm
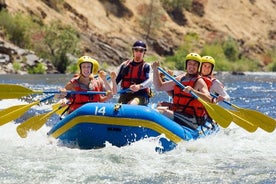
[[200, 89], [218, 88], [109, 93], [106, 85], [148, 82], [114, 84], [158, 84], [119, 74]]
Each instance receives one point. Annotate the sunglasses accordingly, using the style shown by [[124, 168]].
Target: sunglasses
[[139, 50]]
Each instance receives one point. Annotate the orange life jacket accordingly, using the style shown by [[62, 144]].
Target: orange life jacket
[[78, 100], [185, 103]]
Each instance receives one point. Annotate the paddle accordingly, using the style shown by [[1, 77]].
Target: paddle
[[15, 112], [241, 120], [36, 122], [217, 113], [9, 91], [255, 117]]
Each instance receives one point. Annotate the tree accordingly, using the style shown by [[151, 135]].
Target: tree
[[59, 40], [152, 17]]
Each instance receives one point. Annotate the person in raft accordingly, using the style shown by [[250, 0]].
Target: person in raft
[[86, 81], [186, 110], [214, 85], [134, 76]]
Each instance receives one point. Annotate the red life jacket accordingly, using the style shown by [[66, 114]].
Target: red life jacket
[[133, 74], [209, 81], [78, 100], [185, 103]]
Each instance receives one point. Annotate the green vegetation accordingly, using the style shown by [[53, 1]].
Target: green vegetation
[[225, 53], [54, 41], [38, 69], [151, 19], [16, 66], [58, 41], [272, 65], [230, 49], [17, 28], [176, 4]]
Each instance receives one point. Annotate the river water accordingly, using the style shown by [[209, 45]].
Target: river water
[[233, 155]]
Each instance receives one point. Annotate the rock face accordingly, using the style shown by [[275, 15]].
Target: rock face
[[108, 28], [11, 55]]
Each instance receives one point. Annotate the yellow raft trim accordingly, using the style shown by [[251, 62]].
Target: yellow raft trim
[[116, 121]]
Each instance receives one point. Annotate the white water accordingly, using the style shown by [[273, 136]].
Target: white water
[[231, 156]]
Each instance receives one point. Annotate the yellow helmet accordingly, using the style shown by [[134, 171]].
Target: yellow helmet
[[194, 57], [88, 59], [209, 59]]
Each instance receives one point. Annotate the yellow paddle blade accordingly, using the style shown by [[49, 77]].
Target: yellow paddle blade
[[9, 91], [27, 125], [241, 120], [263, 121], [217, 113], [10, 109], [61, 110], [16, 113], [36, 122]]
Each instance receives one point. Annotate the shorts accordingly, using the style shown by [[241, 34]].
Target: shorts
[[183, 120], [126, 97]]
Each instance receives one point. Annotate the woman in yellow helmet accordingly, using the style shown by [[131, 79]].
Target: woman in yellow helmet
[[214, 85], [85, 81], [186, 110]]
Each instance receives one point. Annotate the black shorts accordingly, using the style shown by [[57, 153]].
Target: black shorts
[[183, 120], [126, 97]]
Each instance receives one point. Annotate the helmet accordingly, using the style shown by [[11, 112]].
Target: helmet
[[209, 59], [139, 45], [88, 59], [195, 57]]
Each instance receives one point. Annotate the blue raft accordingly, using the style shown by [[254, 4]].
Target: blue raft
[[94, 124]]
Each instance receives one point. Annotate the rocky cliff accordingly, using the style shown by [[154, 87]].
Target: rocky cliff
[[109, 27]]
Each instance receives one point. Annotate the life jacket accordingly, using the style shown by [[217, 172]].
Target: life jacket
[[77, 100], [185, 103], [209, 81], [133, 73]]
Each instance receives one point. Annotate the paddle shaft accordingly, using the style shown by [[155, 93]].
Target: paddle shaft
[[9, 91]]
